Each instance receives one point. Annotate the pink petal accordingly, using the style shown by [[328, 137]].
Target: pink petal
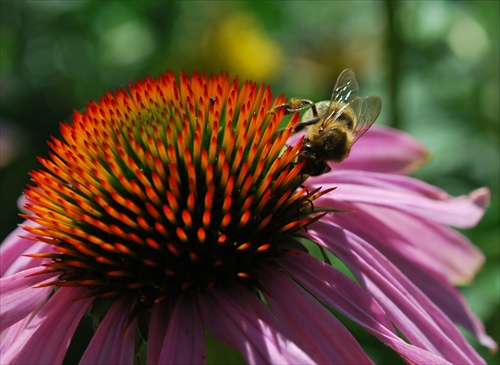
[[185, 339], [241, 321], [403, 193], [414, 314], [9, 339], [13, 247], [19, 299], [158, 325], [450, 301], [429, 245], [47, 336], [431, 255], [309, 324], [113, 342], [386, 150], [344, 295], [21, 204]]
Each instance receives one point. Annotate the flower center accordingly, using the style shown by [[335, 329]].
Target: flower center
[[170, 187]]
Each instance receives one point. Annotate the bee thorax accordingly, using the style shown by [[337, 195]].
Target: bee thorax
[[333, 144]]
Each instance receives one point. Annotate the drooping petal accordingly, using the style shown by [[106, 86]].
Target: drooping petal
[[45, 339], [158, 325], [422, 322], [344, 295], [405, 194], [428, 245], [14, 247], [451, 302], [9, 339], [240, 320], [19, 298], [317, 331], [432, 256], [185, 339], [114, 340], [386, 150]]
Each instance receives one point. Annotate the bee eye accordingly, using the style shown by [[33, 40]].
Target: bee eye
[[307, 147], [320, 165]]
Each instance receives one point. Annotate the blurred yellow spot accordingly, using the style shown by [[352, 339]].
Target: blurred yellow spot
[[239, 44]]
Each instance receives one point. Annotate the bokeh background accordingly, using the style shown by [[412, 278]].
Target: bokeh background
[[434, 63]]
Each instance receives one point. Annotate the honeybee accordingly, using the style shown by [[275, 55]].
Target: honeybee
[[332, 126]]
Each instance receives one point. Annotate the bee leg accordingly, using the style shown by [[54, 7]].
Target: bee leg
[[314, 110], [308, 200], [310, 203], [295, 105], [299, 104], [288, 109], [301, 125]]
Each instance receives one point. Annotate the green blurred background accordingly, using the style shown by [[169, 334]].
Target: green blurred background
[[434, 63]]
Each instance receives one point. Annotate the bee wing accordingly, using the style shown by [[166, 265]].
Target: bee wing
[[346, 87], [345, 92], [367, 110], [321, 107]]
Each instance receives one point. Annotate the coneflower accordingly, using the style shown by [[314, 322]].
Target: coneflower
[[177, 206]]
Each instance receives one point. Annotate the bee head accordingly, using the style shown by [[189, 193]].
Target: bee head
[[313, 164]]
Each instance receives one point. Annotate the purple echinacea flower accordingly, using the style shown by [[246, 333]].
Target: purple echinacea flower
[[177, 206]]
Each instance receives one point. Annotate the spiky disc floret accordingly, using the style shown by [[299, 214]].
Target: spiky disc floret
[[167, 187]]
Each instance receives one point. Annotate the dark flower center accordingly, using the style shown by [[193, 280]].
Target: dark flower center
[[170, 187]]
